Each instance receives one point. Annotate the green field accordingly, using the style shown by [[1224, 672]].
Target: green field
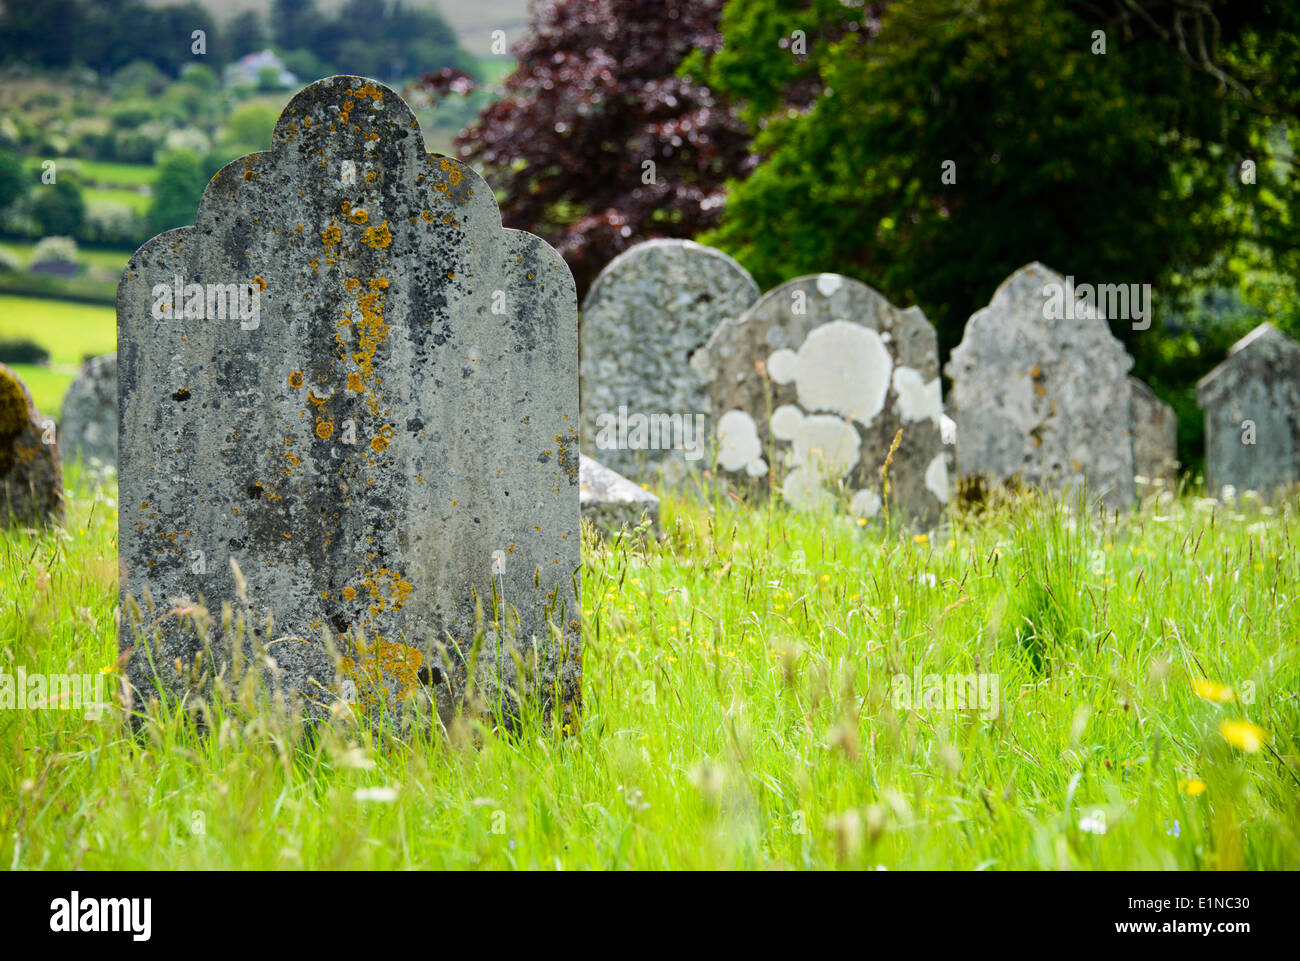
[[108, 174], [741, 710], [133, 200], [69, 331]]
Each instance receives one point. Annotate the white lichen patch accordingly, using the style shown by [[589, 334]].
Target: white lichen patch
[[738, 444], [844, 368], [827, 284], [825, 444], [783, 365], [917, 400], [803, 490], [936, 479], [786, 422], [865, 503]]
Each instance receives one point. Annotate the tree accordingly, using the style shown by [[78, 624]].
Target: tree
[[177, 191], [58, 208], [597, 143], [1115, 166], [13, 184]]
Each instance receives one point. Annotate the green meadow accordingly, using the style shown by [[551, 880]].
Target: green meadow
[[758, 693], [69, 331]]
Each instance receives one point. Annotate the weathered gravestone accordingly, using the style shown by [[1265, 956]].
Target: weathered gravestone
[[1155, 437], [644, 408], [842, 370], [31, 474], [1252, 414], [89, 427], [610, 501], [1043, 401], [350, 380]]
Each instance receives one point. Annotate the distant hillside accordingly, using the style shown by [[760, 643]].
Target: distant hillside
[[473, 20]]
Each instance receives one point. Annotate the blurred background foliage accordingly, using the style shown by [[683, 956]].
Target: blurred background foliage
[[800, 136]]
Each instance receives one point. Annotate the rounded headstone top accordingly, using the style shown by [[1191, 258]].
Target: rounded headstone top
[[651, 256]]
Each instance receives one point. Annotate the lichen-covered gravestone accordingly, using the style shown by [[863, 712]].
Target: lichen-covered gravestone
[[1252, 414], [611, 502], [350, 380], [31, 474], [1044, 401], [647, 312], [89, 427], [1155, 437], [842, 370]]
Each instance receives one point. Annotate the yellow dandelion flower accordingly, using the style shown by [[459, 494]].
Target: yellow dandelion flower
[[1212, 691], [1249, 737], [1192, 787], [920, 538], [862, 521]]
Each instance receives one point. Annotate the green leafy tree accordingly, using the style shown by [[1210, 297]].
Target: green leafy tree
[[177, 191], [13, 184], [58, 208], [1118, 166]]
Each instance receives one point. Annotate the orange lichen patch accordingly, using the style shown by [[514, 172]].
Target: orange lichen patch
[[378, 236], [388, 589], [379, 444], [351, 284], [427, 215], [295, 379], [250, 174], [367, 90], [354, 382], [360, 216], [331, 235], [372, 176], [324, 429], [378, 665], [350, 593], [261, 284], [312, 398]]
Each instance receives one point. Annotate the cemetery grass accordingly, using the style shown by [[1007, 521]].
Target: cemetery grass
[[739, 710]]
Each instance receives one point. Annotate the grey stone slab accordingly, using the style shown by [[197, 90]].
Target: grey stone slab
[[1252, 415], [610, 501], [89, 427], [384, 437], [31, 471], [1044, 401], [1155, 437], [646, 313], [842, 370]]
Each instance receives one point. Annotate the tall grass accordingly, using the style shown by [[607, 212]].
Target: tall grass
[[739, 710]]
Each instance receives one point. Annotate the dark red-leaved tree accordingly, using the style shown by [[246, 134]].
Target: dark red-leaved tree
[[595, 96]]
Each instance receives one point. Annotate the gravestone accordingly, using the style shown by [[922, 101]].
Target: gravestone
[[1046, 402], [1155, 437], [644, 408], [610, 501], [31, 474], [842, 371], [1252, 414], [351, 383], [89, 428]]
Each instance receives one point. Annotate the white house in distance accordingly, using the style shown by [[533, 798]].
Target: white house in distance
[[247, 70]]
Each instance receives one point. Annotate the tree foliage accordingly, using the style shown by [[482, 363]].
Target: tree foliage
[[597, 142], [1114, 167]]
